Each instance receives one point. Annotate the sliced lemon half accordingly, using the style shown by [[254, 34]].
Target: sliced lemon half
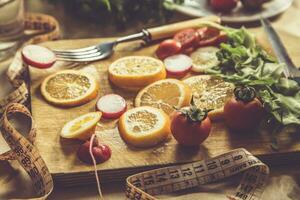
[[81, 127], [69, 88], [165, 94], [210, 92], [136, 71], [144, 126]]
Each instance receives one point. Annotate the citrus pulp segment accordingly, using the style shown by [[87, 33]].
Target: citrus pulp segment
[[210, 92], [136, 71], [204, 58], [81, 127], [144, 126], [69, 88], [165, 94]]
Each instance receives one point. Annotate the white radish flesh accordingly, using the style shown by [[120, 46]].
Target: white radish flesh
[[38, 56], [112, 106], [178, 64]]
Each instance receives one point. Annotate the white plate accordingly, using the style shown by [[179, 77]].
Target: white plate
[[200, 8]]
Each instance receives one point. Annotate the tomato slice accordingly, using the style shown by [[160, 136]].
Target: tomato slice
[[188, 51], [222, 38], [208, 36], [186, 37], [168, 48]]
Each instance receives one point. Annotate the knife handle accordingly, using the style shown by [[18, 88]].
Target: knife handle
[[169, 30]]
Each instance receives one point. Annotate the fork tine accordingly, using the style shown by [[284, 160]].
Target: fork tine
[[79, 55], [65, 53], [88, 59], [75, 50]]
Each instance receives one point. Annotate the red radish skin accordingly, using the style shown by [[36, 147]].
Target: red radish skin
[[178, 65], [101, 153], [38, 56], [112, 106]]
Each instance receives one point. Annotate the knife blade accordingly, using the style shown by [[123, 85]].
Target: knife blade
[[280, 51]]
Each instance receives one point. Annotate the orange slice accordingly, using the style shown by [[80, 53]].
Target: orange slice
[[144, 126], [136, 71], [165, 94], [210, 92], [81, 127], [69, 88]]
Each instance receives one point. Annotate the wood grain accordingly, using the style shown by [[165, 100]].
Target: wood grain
[[60, 154]]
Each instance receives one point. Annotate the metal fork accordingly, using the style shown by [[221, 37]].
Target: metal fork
[[104, 50], [99, 51]]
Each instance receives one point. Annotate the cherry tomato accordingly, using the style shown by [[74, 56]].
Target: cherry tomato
[[244, 111], [168, 48], [186, 37], [208, 36], [223, 5], [190, 126]]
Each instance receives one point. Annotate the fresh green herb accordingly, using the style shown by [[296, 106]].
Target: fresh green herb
[[244, 62]]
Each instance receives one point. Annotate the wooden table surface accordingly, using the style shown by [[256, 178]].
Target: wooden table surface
[[282, 184]]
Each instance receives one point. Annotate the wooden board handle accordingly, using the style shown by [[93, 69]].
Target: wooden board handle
[[170, 29]]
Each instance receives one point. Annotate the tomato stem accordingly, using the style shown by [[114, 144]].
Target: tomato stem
[[193, 113], [244, 93]]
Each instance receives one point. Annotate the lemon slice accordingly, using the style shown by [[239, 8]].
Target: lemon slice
[[136, 71], [165, 94], [144, 126], [81, 127], [69, 88], [210, 92], [204, 58]]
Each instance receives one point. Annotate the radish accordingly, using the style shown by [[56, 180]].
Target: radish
[[112, 106], [178, 64], [93, 150], [38, 56]]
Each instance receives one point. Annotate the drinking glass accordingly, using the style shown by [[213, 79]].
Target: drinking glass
[[11, 26]]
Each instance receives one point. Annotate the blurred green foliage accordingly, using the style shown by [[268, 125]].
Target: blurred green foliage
[[119, 11]]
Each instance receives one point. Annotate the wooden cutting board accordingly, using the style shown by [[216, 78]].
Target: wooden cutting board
[[60, 154]]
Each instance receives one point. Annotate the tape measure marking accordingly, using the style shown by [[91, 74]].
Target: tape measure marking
[[146, 185], [50, 30], [26, 153]]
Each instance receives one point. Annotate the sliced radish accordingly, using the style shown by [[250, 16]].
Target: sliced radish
[[112, 106], [38, 56], [178, 64]]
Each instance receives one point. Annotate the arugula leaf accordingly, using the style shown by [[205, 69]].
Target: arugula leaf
[[244, 62], [286, 109]]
